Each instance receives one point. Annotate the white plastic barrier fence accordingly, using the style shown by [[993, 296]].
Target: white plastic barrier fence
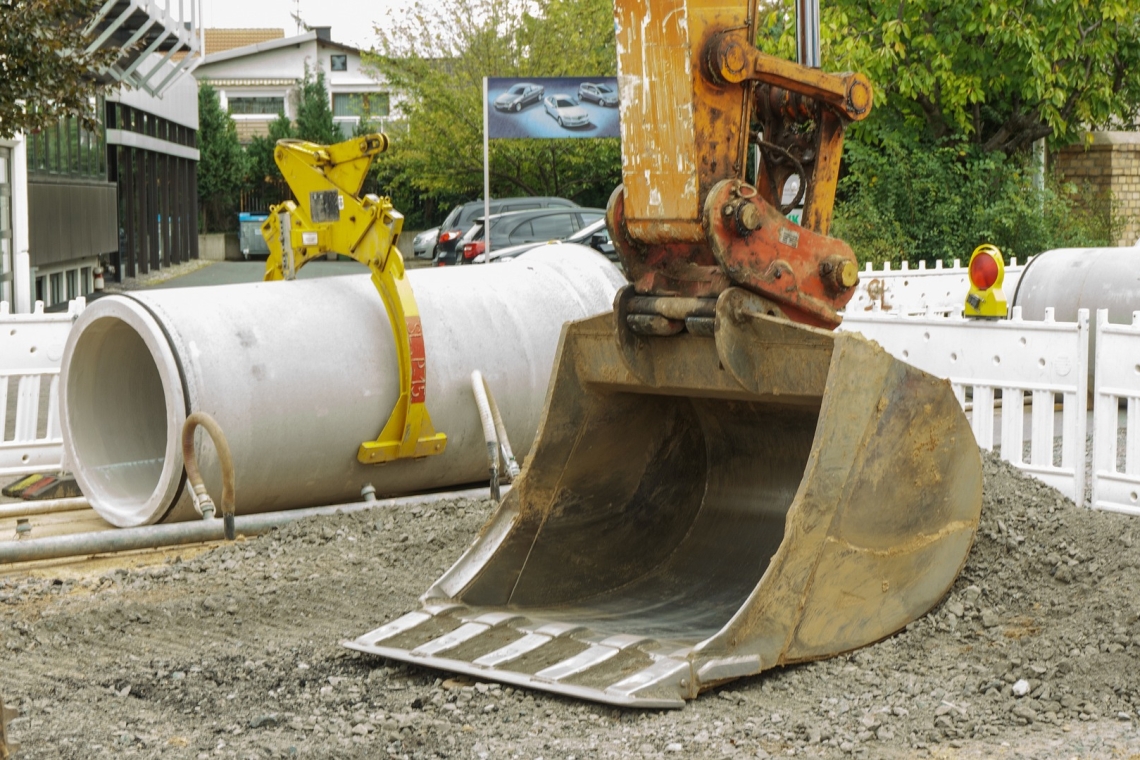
[[1044, 360], [31, 347], [1117, 379], [918, 291]]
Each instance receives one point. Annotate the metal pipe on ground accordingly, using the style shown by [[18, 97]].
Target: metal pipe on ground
[[46, 507], [196, 532], [299, 373]]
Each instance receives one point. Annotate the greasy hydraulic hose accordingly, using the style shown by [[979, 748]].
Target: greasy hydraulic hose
[[202, 500]]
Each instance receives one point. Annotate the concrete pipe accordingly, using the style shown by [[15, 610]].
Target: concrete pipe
[[1070, 279], [299, 373]]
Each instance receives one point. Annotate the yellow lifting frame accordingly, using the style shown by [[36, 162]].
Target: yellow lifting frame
[[332, 217]]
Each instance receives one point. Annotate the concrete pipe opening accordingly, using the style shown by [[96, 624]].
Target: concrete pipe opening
[[123, 396], [299, 373]]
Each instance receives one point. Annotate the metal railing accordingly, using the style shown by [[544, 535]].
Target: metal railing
[[161, 42]]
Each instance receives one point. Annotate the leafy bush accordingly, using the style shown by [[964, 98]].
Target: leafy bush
[[917, 201]]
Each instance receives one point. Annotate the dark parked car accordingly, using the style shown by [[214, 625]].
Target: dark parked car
[[519, 96], [566, 111], [462, 217], [525, 227], [595, 235], [602, 94]]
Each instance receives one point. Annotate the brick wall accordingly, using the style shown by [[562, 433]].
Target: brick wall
[[1109, 163]]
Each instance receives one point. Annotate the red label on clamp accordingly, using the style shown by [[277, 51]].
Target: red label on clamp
[[418, 359]]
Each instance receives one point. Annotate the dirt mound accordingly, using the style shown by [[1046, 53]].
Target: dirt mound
[[235, 653]]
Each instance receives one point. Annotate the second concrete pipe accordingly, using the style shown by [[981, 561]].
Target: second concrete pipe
[[299, 373]]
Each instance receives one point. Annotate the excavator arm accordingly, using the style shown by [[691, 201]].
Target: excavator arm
[[686, 222], [332, 217]]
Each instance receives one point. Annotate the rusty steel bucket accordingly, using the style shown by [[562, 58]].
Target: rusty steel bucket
[[697, 509]]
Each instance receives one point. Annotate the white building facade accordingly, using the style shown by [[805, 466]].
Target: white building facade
[[256, 83]]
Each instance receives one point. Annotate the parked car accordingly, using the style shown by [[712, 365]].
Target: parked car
[[602, 94], [518, 227], [519, 96], [566, 111], [423, 243], [462, 217], [596, 235]]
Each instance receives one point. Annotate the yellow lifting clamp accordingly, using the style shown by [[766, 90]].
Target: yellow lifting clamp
[[332, 217]]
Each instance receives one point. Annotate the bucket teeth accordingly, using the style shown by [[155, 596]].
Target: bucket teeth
[[559, 657]]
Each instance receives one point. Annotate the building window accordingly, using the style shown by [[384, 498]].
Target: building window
[[66, 149], [338, 62], [56, 295], [363, 104], [257, 105]]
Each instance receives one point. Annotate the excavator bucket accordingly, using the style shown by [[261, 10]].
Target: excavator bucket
[[698, 508]]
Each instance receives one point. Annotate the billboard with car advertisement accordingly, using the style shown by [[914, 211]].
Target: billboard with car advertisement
[[552, 107]]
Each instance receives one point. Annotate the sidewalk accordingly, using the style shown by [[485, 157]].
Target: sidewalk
[[198, 272]]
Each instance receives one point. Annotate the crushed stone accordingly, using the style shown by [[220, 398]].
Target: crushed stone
[[236, 652]]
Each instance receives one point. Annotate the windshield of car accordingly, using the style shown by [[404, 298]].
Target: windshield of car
[[518, 89], [605, 88], [470, 215], [587, 233], [471, 235], [451, 220], [564, 102]]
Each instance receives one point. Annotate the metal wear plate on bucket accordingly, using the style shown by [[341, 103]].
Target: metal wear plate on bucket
[[700, 509]]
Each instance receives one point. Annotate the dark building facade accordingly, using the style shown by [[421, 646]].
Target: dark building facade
[[124, 195]]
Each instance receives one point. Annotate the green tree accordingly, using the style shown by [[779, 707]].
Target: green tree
[[222, 165], [45, 71], [997, 73], [314, 117], [917, 201], [962, 89], [263, 178], [436, 54]]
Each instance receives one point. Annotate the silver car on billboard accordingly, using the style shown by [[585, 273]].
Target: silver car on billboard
[[598, 92], [566, 111], [519, 96]]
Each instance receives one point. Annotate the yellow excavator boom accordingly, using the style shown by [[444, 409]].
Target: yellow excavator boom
[[331, 217]]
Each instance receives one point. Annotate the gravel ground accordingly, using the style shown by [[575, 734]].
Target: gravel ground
[[234, 652]]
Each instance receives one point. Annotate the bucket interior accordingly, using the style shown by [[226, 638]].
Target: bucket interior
[[660, 523], [117, 411]]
